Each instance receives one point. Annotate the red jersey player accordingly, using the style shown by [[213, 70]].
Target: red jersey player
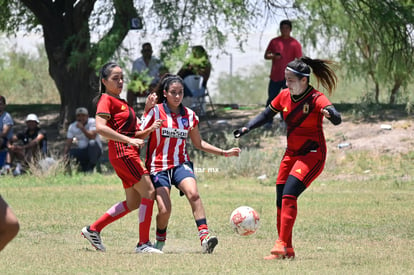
[[303, 109], [117, 122], [168, 161]]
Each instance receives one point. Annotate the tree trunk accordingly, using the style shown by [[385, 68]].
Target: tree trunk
[[72, 57], [377, 91], [394, 91]]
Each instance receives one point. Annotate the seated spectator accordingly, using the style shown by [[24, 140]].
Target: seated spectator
[[197, 63], [86, 143], [28, 146], [6, 133]]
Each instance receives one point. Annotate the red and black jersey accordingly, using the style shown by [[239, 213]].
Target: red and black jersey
[[303, 118], [121, 118]]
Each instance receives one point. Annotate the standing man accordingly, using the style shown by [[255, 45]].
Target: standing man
[[281, 50], [146, 68], [88, 146]]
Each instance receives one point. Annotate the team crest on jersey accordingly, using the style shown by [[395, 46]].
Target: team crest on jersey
[[305, 108], [185, 122], [174, 133]]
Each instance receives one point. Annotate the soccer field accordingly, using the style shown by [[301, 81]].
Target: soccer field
[[359, 225]]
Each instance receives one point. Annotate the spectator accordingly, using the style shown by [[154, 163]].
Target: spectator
[[9, 224], [30, 145], [88, 146], [198, 63], [6, 133], [145, 70], [281, 50]]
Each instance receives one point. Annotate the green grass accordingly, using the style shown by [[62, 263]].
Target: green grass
[[350, 221]]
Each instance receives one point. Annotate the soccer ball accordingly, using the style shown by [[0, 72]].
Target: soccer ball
[[244, 220]]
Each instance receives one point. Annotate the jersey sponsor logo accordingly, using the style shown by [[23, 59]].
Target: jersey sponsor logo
[[174, 133]]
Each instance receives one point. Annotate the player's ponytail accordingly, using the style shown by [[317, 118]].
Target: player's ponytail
[[322, 69]]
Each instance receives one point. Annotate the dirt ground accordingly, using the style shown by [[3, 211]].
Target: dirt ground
[[393, 133]]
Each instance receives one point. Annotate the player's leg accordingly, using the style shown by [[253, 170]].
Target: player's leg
[[164, 212], [147, 192], [305, 170], [9, 224]]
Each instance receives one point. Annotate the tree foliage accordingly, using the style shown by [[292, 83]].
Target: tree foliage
[[81, 35], [375, 38]]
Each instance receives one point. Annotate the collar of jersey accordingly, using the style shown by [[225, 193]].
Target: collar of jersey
[[302, 95], [168, 111]]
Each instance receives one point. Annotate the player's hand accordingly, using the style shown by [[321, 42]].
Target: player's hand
[[233, 152], [325, 113], [150, 102], [136, 142], [157, 124], [241, 131]]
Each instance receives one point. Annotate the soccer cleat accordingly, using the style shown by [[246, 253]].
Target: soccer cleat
[[279, 248], [147, 248], [209, 243], [94, 238], [159, 245], [290, 254]]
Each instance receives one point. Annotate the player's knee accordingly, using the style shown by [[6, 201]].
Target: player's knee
[[193, 196]]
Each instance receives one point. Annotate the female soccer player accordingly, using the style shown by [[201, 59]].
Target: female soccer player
[[168, 161], [303, 109], [117, 122]]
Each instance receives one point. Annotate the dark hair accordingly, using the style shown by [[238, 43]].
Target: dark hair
[[199, 51], [146, 44], [320, 68], [164, 84], [104, 72], [285, 22], [2, 98]]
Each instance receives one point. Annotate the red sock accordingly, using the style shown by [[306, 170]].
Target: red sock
[[202, 231], [288, 217], [145, 217], [279, 213], [114, 213]]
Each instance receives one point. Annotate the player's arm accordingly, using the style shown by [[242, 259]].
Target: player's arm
[[332, 114], [148, 130], [200, 144], [265, 116], [109, 133]]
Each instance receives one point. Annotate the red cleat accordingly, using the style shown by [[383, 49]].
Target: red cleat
[[279, 248], [290, 254]]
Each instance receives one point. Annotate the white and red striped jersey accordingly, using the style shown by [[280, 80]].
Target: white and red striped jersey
[[166, 146]]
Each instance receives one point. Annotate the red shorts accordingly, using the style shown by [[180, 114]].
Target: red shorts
[[129, 168], [305, 168]]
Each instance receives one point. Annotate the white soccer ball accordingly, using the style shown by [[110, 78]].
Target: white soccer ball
[[244, 220]]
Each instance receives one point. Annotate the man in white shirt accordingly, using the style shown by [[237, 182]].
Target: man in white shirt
[[84, 140], [147, 67]]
